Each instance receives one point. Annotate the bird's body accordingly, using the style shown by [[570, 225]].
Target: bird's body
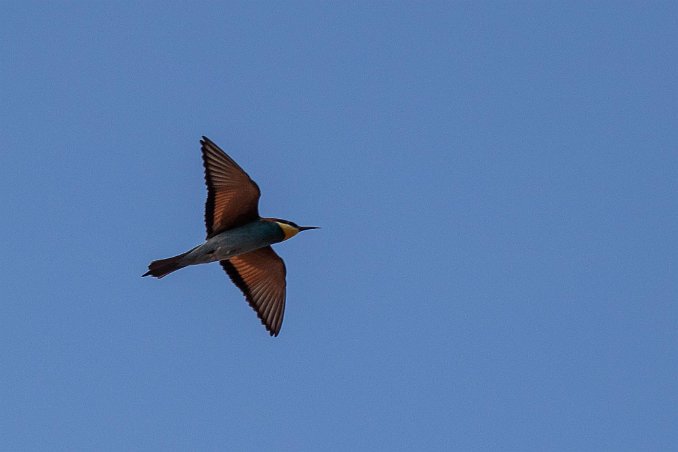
[[233, 242], [238, 238]]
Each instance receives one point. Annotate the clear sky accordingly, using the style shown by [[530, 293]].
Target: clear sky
[[496, 182]]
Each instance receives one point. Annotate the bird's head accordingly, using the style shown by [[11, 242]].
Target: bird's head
[[289, 228]]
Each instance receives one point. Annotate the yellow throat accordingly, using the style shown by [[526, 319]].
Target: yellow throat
[[289, 231]]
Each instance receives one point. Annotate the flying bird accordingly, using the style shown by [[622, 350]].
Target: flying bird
[[239, 238]]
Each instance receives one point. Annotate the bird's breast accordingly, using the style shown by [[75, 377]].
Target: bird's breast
[[242, 240]]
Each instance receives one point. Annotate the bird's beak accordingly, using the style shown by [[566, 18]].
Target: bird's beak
[[304, 228]]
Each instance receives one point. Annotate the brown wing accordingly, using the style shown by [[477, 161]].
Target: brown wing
[[260, 274], [232, 197]]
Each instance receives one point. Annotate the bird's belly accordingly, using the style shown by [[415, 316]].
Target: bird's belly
[[234, 242], [217, 251], [226, 252]]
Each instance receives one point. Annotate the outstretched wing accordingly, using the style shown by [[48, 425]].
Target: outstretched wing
[[232, 197], [260, 274]]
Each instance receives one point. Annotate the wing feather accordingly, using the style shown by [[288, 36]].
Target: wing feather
[[232, 196], [260, 275]]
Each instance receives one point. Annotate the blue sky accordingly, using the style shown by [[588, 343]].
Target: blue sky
[[496, 184]]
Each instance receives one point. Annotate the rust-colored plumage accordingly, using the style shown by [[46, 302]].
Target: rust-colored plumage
[[232, 196], [260, 274]]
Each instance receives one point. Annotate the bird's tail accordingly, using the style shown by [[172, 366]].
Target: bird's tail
[[163, 267]]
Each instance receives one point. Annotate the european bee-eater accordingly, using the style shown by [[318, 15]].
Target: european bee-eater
[[239, 238]]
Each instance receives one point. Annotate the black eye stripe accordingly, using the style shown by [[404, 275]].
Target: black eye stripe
[[286, 222]]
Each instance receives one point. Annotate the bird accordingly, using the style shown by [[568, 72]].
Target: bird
[[239, 238]]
